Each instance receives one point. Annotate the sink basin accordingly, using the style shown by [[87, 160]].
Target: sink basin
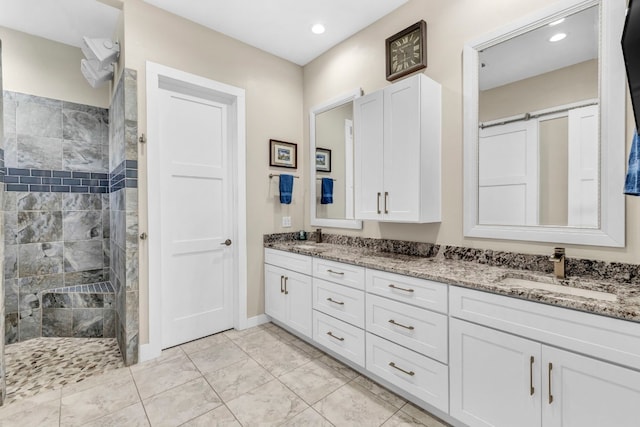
[[567, 290]]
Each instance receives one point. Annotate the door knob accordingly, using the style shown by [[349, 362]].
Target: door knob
[[226, 242]]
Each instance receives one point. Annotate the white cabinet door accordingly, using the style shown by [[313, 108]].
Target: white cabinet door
[[368, 113], [298, 296], [274, 298], [287, 298], [494, 377], [402, 151], [587, 392]]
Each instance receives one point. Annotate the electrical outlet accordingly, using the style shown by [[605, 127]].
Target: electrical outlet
[[286, 221]]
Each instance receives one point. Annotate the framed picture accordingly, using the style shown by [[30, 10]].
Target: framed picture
[[406, 51], [323, 160], [283, 154]]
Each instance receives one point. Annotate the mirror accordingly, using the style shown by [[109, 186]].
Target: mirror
[[544, 131], [331, 163]]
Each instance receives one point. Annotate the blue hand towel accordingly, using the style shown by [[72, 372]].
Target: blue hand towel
[[286, 189], [632, 183], [327, 191]]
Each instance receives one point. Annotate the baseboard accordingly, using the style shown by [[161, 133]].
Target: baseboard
[[257, 320]]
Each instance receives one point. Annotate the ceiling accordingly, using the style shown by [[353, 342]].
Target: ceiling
[[532, 54], [280, 27], [64, 21]]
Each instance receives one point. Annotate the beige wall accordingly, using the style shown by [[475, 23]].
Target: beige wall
[[560, 87], [42, 67], [273, 110], [359, 62], [554, 171]]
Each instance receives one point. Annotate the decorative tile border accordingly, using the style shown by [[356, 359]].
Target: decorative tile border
[[125, 175], [55, 181], [94, 288]]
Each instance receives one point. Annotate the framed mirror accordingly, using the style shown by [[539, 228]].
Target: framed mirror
[[544, 127], [331, 163]]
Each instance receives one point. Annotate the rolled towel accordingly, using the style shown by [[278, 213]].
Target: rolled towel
[[327, 191], [286, 189], [632, 182]]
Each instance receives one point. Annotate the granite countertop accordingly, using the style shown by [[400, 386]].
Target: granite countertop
[[625, 305]]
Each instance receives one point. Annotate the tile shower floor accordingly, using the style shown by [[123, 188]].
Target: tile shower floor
[[262, 376]]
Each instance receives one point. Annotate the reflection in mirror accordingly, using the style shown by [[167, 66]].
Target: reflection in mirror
[[331, 163], [544, 127], [533, 112]]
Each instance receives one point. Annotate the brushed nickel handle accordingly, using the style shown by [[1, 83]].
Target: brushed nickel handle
[[334, 337], [336, 272], [226, 243], [531, 389], [393, 322], [286, 292], [386, 202], [399, 288], [281, 284], [410, 373], [550, 394], [378, 204], [335, 302]]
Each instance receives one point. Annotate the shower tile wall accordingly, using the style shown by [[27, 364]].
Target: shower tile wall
[[56, 209], [124, 212], [3, 386]]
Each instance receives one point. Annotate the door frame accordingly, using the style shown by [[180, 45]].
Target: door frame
[[234, 97]]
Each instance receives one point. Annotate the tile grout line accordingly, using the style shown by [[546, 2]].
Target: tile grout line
[[135, 384]]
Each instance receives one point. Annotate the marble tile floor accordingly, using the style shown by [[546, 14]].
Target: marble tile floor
[[261, 376], [44, 364]]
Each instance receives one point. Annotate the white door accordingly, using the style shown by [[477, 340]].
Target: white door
[[584, 159], [368, 112], [508, 174], [587, 392], [495, 377], [402, 151], [196, 220]]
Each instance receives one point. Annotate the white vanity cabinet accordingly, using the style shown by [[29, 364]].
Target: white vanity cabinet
[[287, 290], [397, 152], [338, 308], [500, 379]]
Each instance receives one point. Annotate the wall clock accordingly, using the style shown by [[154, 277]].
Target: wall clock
[[407, 51]]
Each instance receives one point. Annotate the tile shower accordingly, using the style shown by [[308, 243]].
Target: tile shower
[[70, 218]]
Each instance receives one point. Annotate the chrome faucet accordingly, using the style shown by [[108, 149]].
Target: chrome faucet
[[558, 260]]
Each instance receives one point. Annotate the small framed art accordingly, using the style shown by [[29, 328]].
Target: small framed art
[[323, 160], [283, 154]]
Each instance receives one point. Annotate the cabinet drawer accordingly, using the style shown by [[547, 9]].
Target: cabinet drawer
[[339, 301], [410, 290], [344, 339], [337, 272], [602, 337], [416, 328], [424, 378], [288, 260]]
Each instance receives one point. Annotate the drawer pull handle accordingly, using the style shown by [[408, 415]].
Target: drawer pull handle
[[335, 302], [336, 272], [550, 395], [399, 288], [531, 389], [393, 322], [334, 337], [410, 373]]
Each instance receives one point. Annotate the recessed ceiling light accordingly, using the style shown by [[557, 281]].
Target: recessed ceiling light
[[317, 29], [557, 37], [554, 23]]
